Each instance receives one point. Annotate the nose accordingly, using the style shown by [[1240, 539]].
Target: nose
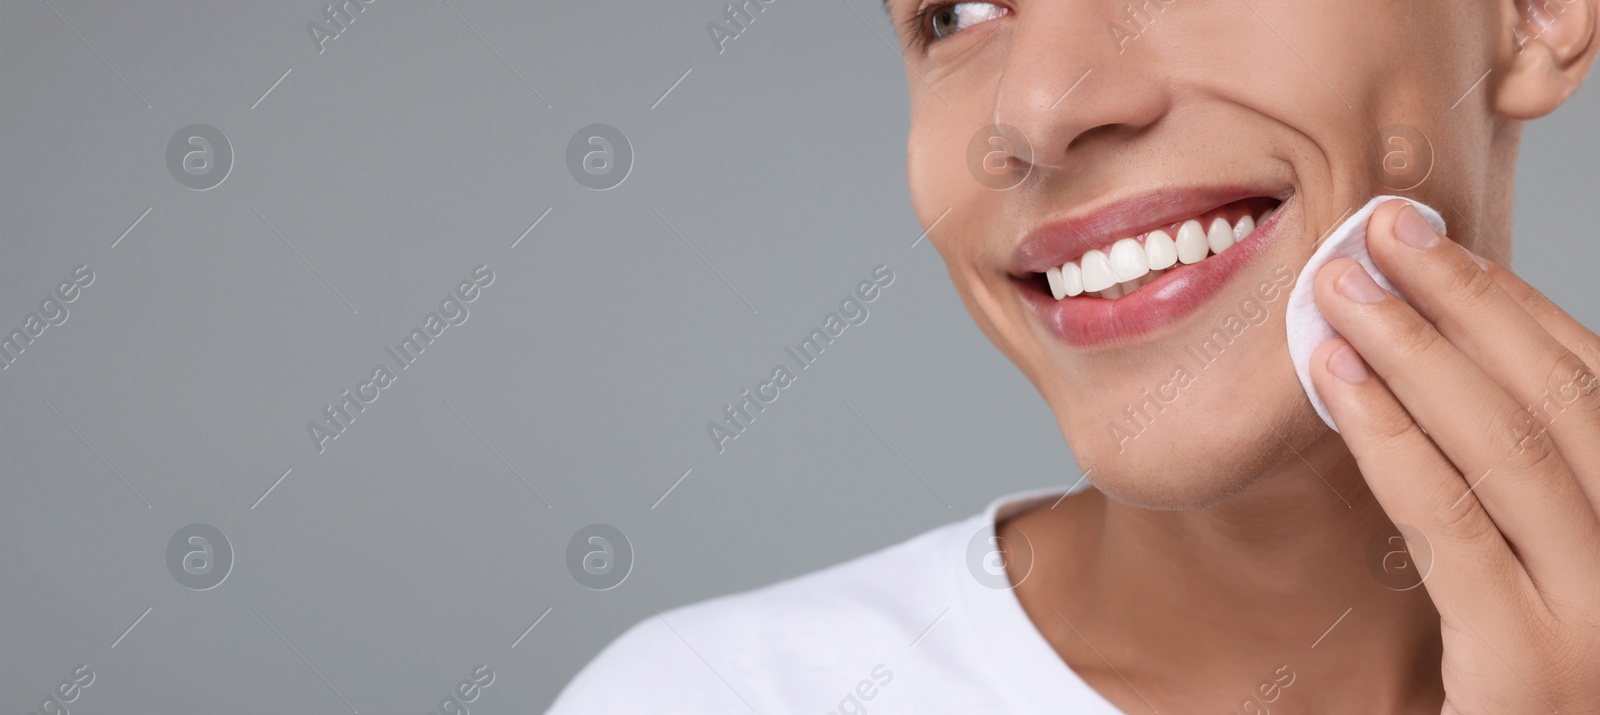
[[1079, 74]]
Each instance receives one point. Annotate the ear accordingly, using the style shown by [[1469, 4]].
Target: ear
[[1545, 56]]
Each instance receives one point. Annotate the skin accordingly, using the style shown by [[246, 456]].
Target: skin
[[1233, 537]]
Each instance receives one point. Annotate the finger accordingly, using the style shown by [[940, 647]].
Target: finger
[[1565, 328], [1579, 389], [1515, 471], [1417, 485], [1551, 383]]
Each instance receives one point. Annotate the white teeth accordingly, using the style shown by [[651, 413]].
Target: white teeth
[[1097, 274], [1243, 228], [1128, 260], [1191, 242], [1058, 289], [1129, 265], [1072, 278], [1220, 237], [1159, 250]]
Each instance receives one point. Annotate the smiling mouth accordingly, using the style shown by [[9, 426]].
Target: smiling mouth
[[1073, 273], [1129, 264]]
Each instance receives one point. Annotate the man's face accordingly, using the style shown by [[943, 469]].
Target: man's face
[[1043, 130]]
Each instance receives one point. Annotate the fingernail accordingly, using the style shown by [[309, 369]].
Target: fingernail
[[1356, 285], [1346, 365], [1413, 230], [1481, 262]]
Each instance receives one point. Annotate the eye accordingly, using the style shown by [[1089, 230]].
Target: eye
[[940, 21]]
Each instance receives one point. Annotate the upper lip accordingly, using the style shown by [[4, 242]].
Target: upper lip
[[1062, 240]]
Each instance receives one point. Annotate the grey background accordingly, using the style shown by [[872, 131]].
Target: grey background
[[378, 574]]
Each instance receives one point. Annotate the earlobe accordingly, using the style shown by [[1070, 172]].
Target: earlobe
[[1545, 56]]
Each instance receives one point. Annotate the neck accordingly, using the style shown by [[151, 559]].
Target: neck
[[1292, 581]]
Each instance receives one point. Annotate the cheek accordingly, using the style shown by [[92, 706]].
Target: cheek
[[975, 223], [928, 170], [937, 148]]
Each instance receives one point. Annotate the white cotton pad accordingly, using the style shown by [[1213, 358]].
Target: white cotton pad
[[1307, 327]]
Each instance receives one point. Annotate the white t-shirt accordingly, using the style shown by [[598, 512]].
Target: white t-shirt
[[926, 626]]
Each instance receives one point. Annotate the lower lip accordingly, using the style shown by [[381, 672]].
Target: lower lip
[[1086, 321]]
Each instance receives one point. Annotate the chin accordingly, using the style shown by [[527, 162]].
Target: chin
[[1196, 456]]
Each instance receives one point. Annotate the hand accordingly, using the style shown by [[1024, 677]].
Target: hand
[[1478, 424]]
